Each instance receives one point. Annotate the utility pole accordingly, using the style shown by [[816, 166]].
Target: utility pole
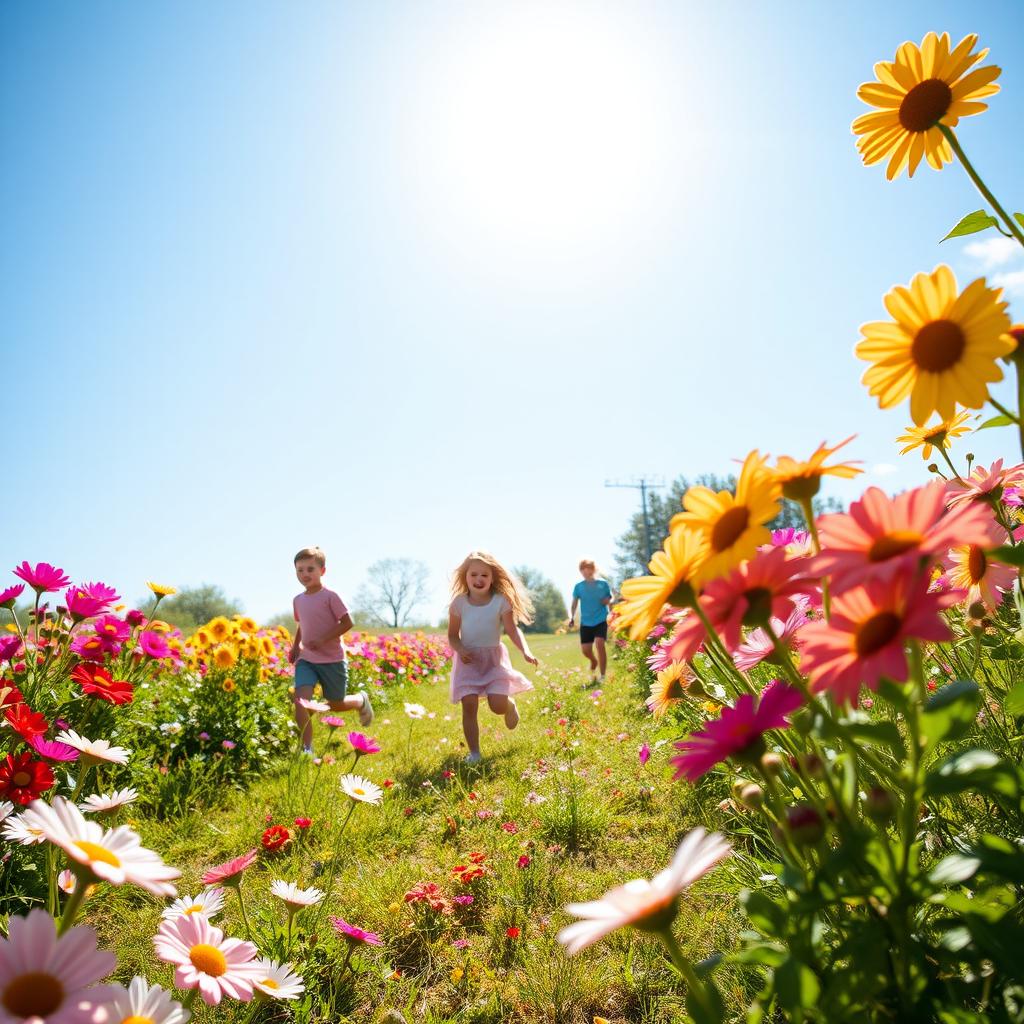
[[643, 485]]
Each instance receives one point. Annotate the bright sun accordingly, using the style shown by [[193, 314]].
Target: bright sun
[[542, 127]]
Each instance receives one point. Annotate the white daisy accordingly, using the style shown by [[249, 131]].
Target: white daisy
[[106, 802], [314, 705], [361, 790], [415, 710], [112, 855], [295, 897], [278, 981], [5, 809], [209, 903], [93, 751], [142, 1002], [24, 828], [649, 905]]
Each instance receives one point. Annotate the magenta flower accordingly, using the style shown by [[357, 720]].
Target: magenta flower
[[9, 646], [355, 935], [53, 750], [465, 900], [90, 647], [82, 605], [228, 744], [737, 731], [110, 627], [153, 644], [135, 618], [10, 595], [645, 753], [43, 577], [334, 722], [363, 744], [230, 872], [101, 592]]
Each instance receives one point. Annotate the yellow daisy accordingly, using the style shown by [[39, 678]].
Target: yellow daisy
[[219, 629], [201, 637], [669, 687], [673, 581], [923, 87], [224, 657], [939, 349], [732, 525], [160, 589], [801, 481], [938, 435], [246, 625]]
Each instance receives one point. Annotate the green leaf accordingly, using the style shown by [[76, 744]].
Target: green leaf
[[996, 421], [951, 711], [973, 222], [710, 1012], [979, 770], [1013, 702], [796, 987], [1019, 217], [767, 917], [1010, 554], [954, 869]]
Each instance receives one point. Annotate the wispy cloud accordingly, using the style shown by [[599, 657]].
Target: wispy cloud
[[992, 252], [884, 469], [1013, 282]]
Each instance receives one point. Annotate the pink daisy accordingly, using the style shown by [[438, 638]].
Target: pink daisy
[[758, 645], [204, 959], [355, 935], [90, 647], [110, 627], [49, 980], [83, 605], [230, 873], [153, 644], [362, 743], [737, 731], [42, 577], [984, 485], [684, 643], [9, 647], [880, 536], [762, 588], [864, 640], [53, 750], [11, 594]]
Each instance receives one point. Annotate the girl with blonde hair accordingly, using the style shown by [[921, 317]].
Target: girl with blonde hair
[[486, 598]]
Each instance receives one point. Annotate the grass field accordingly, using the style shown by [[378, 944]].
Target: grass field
[[566, 791]]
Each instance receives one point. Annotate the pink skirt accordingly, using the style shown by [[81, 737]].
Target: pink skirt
[[490, 672]]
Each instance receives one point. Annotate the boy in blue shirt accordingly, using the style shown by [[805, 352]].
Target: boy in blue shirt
[[593, 596]]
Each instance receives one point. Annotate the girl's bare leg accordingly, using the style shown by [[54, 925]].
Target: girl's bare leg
[[502, 705], [470, 725], [303, 721]]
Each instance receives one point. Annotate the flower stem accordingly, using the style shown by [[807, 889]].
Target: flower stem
[[951, 138], [685, 968], [75, 900], [241, 904], [1018, 362], [946, 458]]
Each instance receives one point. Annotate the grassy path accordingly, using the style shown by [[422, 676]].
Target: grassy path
[[565, 792]]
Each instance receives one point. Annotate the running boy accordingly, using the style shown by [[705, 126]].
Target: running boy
[[593, 597], [317, 652]]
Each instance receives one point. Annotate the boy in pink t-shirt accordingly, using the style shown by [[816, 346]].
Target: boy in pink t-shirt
[[317, 652]]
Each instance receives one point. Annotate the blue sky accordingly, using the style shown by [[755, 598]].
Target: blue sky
[[405, 279]]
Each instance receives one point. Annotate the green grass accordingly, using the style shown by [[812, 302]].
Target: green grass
[[583, 809]]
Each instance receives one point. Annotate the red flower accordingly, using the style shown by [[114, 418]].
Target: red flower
[[477, 858], [524, 861], [510, 827], [275, 838], [26, 723], [9, 694], [388, 783], [513, 932], [303, 823], [98, 682], [22, 780]]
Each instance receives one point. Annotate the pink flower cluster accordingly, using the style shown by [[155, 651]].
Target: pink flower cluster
[[397, 657]]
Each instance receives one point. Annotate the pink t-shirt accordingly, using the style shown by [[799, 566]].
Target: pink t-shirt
[[318, 614]]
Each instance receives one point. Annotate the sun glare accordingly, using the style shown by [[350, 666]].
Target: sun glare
[[543, 127]]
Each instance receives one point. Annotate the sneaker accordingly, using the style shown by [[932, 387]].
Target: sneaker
[[307, 751], [473, 757], [511, 715], [365, 710], [601, 680]]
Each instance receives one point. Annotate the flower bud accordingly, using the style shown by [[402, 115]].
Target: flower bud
[[772, 764], [933, 467], [977, 610], [804, 824], [879, 804], [751, 796]]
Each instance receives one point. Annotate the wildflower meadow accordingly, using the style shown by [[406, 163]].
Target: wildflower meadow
[[798, 795]]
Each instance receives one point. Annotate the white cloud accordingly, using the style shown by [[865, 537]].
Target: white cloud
[[884, 469], [1013, 282], [993, 252]]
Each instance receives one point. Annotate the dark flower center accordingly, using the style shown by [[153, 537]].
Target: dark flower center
[[759, 606], [925, 105], [730, 527], [881, 629], [977, 563], [889, 545], [938, 346], [675, 689], [33, 994]]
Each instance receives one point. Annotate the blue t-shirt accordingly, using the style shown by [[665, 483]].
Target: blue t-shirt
[[590, 596]]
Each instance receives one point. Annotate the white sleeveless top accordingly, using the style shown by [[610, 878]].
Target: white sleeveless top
[[481, 624]]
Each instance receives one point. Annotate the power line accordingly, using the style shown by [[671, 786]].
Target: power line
[[643, 485]]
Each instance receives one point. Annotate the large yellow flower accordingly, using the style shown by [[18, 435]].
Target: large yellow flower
[[224, 657], [940, 348], [246, 624], [673, 581], [801, 481], [732, 525], [923, 87], [938, 435], [219, 628], [669, 687]]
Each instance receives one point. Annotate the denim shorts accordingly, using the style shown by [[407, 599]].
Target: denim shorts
[[332, 676]]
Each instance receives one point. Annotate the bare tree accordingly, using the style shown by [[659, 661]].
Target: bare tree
[[394, 588]]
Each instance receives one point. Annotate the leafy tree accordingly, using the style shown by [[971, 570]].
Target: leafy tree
[[192, 606], [549, 610], [631, 554], [395, 587]]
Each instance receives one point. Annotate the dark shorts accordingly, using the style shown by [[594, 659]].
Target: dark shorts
[[588, 634], [333, 677]]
